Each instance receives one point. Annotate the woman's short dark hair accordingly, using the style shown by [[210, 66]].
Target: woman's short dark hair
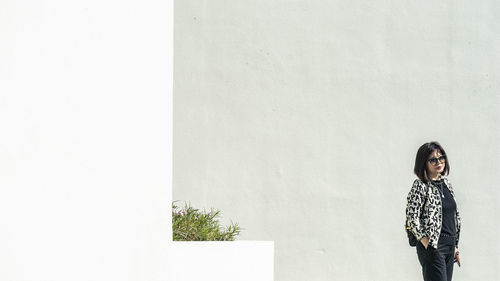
[[423, 155]]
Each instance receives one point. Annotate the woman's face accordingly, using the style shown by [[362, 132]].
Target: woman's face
[[435, 163]]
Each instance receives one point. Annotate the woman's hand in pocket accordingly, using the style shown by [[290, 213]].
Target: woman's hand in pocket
[[425, 242]]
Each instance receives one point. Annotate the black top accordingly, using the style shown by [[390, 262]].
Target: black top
[[449, 208]]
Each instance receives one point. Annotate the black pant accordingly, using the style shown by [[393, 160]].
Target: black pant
[[437, 264]]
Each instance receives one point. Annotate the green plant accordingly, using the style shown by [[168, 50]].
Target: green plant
[[190, 224]]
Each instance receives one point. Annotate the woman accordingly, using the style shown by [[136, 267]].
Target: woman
[[432, 214]]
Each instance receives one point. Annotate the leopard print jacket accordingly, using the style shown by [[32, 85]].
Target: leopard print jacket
[[427, 220]]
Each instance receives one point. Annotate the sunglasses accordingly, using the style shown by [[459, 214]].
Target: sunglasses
[[434, 161]]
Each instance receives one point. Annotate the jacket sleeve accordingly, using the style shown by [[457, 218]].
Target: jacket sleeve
[[414, 207], [458, 228]]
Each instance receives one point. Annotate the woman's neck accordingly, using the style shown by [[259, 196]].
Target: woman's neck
[[435, 177]]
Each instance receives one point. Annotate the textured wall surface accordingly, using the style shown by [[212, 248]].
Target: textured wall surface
[[301, 120]]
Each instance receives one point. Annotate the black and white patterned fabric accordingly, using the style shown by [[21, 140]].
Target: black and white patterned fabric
[[427, 220]]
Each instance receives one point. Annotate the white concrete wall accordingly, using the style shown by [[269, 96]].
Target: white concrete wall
[[301, 120], [85, 140]]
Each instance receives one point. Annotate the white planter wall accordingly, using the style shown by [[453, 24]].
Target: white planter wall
[[215, 261]]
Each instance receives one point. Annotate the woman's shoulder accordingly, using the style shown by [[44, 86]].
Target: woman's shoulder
[[419, 185], [418, 181]]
